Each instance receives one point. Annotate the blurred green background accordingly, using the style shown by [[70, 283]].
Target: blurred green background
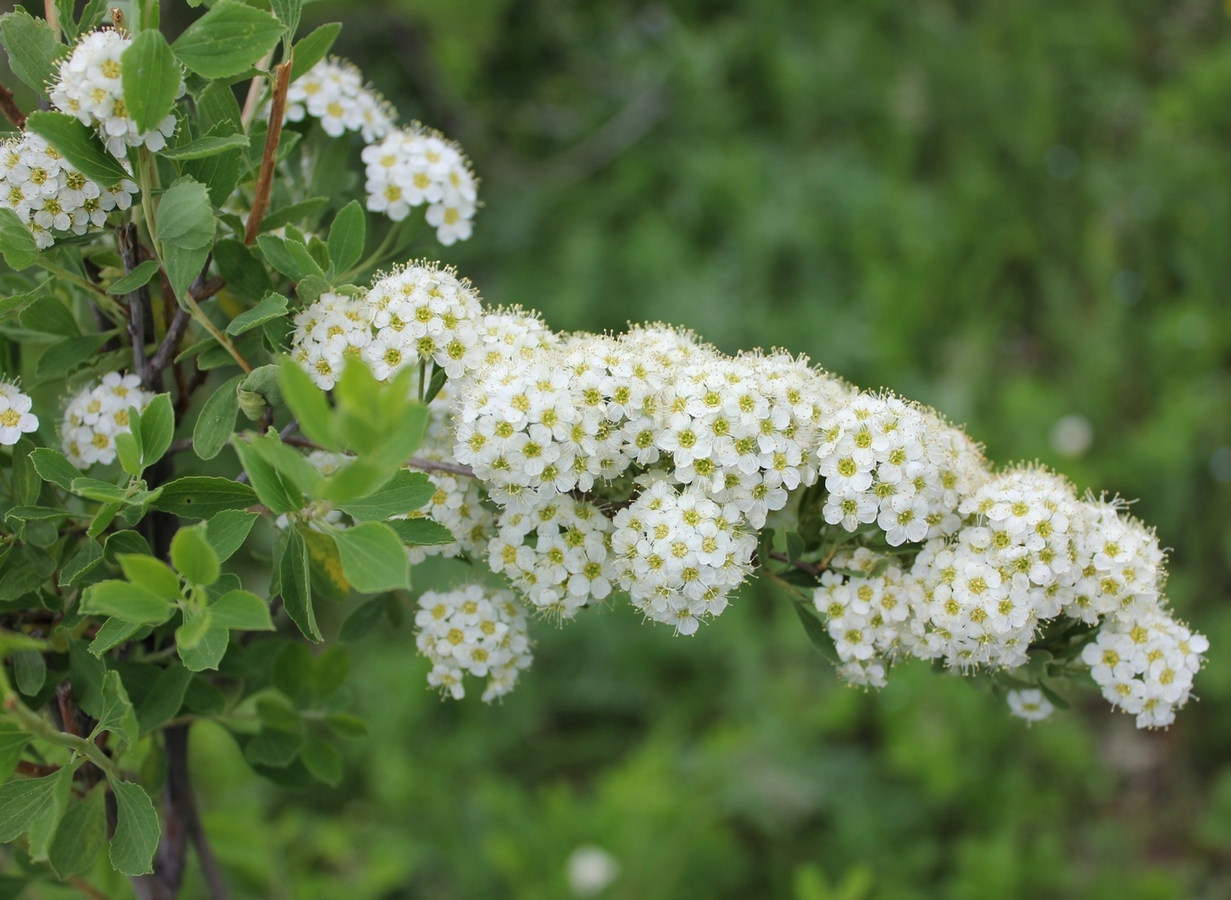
[[1017, 212]]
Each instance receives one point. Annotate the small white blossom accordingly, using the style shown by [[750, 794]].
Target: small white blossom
[[15, 416], [1030, 704], [96, 414], [334, 92]]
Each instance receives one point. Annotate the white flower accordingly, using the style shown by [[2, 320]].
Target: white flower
[[96, 414], [1030, 704], [15, 416], [415, 166], [91, 88], [333, 91], [476, 631]]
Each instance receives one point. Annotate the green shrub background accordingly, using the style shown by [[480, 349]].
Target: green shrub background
[[1015, 212]]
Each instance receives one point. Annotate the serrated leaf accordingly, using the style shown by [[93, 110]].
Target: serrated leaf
[[205, 650], [136, 830], [307, 402], [118, 715], [79, 145], [29, 671], [185, 216], [322, 760], [33, 51], [273, 747], [81, 835], [227, 40], [373, 557], [275, 491], [66, 355], [24, 803], [54, 467], [112, 633]]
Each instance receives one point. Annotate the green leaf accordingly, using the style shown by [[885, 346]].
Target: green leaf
[[322, 760], [313, 47], [97, 489], [221, 171], [86, 673], [209, 652], [183, 266], [228, 530], [118, 715], [157, 429], [244, 272], [152, 80], [347, 724], [26, 802], [816, 631], [273, 747], [81, 835], [194, 557], [112, 633], [241, 611], [307, 402], [274, 306], [227, 40], [66, 355], [405, 493], [794, 546], [152, 574], [27, 484], [33, 51], [16, 242], [292, 675], [129, 602], [216, 422], [296, 584], [288, 13], [330, 671], [44, 826], [49, 316], [138, 277], [29, 671], [185, 215], [373, 557], [54, 467], [346, 237], [136, 829], [291, 258], [294, 214], [13, 742], [287, 461], [204, 496], [83, 562], [276, 492], [204, 147], [259, 389], [92, 15], [79, 145], [360, 622]]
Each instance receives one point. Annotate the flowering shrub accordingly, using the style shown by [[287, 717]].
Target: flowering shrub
[[390, 415]]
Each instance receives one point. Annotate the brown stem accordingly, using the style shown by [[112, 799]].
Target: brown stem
[[11, 110], [811, 568], [265, 181], [86, 888], [138, 303], [170, 345], [35, 770]]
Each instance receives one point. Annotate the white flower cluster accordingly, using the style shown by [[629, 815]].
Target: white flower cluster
[[557, 554], [866, 600], [418, 313], [1029, 551], [91, 88], [15, 416], [96, 414], [476, 631], [49, 195], [1145, 662], [892, 463], [416, 166], [334, 92], [679, 554]]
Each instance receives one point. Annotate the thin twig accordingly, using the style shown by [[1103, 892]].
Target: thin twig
[[138, 303], [167, 349], [265, 181], [86, 888], [11, 110], [811, 568]]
